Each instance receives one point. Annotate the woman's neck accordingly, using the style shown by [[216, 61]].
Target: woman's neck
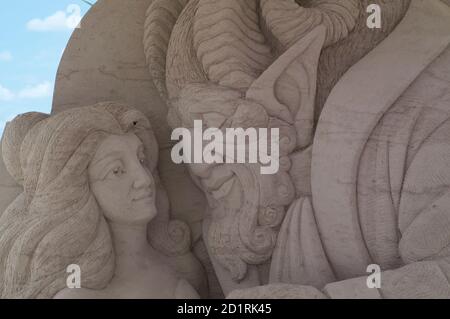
[[131, 248]]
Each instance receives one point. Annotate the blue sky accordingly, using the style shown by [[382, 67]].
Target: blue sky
[[33, 35]]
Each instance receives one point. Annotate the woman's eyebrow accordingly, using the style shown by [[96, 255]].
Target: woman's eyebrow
[[114, 155]]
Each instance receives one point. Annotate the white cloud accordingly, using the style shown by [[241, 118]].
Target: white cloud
[[41, 90], [5, 56], [5, 94], [59, 21], [44, 89]]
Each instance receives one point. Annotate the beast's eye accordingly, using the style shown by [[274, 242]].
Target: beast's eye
[[142, 158]]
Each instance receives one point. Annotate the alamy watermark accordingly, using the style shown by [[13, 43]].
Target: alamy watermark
[[233, 145], [73, 20], [73, 281], [374, 19], [374, 279]]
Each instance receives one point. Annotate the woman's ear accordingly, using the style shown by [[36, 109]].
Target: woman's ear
[[287, 89]]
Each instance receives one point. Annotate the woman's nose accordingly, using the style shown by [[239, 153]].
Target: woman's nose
[[142, 178]]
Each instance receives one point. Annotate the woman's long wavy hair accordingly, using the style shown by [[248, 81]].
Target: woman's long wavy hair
[[56, 221]]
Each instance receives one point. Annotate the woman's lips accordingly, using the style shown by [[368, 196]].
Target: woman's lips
[[142, 196]]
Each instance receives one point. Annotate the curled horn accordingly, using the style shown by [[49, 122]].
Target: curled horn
[[160, 20], [229, 42], [287, 21]]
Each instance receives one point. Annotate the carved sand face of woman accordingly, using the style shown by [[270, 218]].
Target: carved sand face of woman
[[121, 181], [80, 169]]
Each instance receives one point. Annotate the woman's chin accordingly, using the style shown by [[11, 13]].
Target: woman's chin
[[145, 212]]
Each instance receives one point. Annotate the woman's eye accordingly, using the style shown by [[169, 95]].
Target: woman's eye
[[117, 171]]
